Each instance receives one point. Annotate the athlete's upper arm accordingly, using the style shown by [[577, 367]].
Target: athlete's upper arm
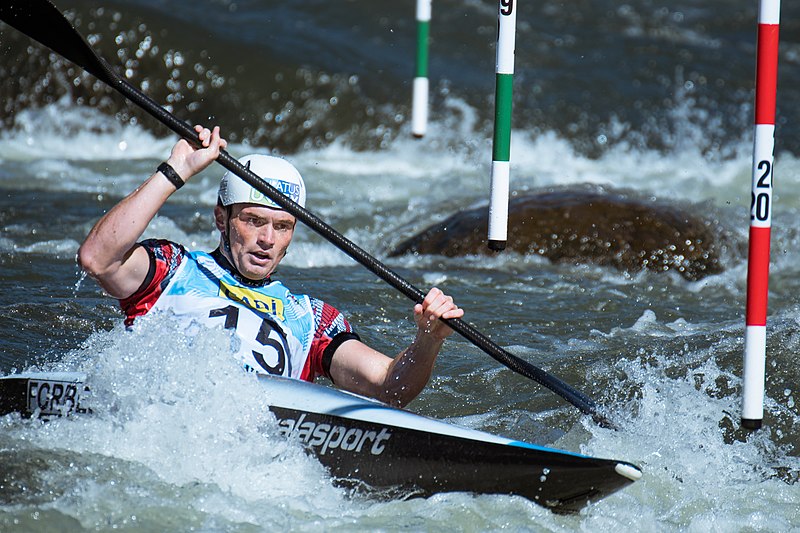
[[123, 279]]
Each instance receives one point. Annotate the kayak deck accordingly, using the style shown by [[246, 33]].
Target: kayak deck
[[399, 451], [375, 448]]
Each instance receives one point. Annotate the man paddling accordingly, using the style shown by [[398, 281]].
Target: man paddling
[[276, 332]]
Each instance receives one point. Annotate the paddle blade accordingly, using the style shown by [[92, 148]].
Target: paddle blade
[[42, 21]]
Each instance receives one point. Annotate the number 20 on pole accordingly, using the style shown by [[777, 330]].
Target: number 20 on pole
[[762, 193], [761, 197]]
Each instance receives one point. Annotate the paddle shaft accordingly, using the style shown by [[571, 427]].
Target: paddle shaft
[[19, 13]]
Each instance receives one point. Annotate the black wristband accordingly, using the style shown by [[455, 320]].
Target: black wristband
[[166, 169]]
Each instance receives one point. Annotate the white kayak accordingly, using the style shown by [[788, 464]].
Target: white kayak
[[369, 445]]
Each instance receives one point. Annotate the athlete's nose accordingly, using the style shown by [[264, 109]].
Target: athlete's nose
[[266, 236]]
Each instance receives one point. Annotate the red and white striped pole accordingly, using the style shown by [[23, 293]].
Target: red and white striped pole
[[755, 338]]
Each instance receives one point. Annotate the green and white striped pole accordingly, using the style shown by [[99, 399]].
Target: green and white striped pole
[[419, 104], [501, 149]]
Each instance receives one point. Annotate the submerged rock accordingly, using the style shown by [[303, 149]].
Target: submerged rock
[[586, 226]]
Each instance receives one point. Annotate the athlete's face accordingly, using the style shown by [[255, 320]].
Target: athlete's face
[[259, 237]]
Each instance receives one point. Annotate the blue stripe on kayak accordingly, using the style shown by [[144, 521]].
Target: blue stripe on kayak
[[522, 444]]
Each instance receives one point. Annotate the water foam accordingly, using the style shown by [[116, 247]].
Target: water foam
[[701, 472], [181, 421], [63, 130]]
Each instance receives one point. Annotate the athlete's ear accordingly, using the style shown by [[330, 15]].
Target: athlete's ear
[[220, 217]]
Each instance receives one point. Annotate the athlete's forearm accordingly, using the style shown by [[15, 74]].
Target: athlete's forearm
[[107, 254], [410, 371]]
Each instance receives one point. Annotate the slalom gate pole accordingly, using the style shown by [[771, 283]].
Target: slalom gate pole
[[419, 103], [501, 147], [755, 339]]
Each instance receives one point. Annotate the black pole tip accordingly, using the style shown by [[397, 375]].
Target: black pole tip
[[497, 246], [752, 423]]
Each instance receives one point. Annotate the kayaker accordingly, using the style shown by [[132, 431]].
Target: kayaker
[[233, 287]]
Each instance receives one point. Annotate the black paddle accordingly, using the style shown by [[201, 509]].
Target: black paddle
[[43, 22]]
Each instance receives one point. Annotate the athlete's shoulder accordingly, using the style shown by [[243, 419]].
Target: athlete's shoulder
[[330, 321], [164, 250], [165, 258]]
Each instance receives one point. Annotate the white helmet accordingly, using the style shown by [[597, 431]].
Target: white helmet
[[276, 171]]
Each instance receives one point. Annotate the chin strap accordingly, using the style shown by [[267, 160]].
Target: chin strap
[[226, 235]]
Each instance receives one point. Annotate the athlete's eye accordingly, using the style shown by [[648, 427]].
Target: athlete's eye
[[252, 221]]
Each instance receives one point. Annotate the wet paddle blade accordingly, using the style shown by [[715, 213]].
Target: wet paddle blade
[[42, 21]]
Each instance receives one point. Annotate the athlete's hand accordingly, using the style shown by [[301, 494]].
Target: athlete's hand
[[435, 306], [188, 160]]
